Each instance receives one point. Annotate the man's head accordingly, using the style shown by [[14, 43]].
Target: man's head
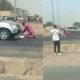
[[54, 26], [23, 23]]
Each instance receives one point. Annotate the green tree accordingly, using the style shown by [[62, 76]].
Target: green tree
[[25, 13], [21, 12], [36, 15], [49, 23], [5, 5], [76, 24]]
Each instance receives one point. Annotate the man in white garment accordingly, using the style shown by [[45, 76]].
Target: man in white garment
[[56, 40]]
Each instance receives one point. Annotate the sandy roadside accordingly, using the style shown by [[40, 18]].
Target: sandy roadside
[[21, 66], [28, 77], [68, 58]]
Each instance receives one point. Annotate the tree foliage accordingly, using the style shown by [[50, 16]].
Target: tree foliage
[[76, 24], [25, 13], [5, 5], [49, 23], [21, 12], [36, 15]]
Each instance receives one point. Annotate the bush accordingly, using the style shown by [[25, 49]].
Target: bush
[[49, 23]]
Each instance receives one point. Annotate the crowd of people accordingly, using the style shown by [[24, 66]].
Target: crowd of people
[[34, 19], [27, 18]]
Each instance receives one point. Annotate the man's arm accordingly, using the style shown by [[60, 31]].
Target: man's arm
[[59, 32], [52, 32]]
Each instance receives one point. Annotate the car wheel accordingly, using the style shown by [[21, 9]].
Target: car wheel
[[4, 34]]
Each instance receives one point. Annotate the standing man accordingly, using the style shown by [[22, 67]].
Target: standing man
[[56, 40]]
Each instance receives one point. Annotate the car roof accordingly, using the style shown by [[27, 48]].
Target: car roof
[[71, 27]]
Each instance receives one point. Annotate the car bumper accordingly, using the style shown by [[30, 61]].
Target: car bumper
[[15, 34]]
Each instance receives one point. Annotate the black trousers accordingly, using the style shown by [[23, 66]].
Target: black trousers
[[56, 46]]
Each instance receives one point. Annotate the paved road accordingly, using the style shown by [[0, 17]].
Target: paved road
[[62, 73], [72, 38], [27, 47]]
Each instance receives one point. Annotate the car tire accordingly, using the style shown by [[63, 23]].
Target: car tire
[[4, 34]]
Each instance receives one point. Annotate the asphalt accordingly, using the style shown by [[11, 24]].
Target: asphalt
[[74, 38], [69, 72], [30, 47], [22, 48]]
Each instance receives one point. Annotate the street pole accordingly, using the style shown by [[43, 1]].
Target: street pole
[[58, 12], [52, 11], [14, 9], [0, 8]]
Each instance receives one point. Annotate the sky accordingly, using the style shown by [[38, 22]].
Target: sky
[[66, 12], [33, 6]]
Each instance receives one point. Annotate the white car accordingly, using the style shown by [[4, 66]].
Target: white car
[[73, 29], [9, 30]]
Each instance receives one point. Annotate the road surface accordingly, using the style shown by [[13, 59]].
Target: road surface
[[27, 47], [70, 72], [72, 38]]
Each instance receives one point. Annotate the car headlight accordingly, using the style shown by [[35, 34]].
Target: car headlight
[[13, 26]]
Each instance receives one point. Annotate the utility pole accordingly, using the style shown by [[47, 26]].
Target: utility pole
[[58, 12], [0, 7], [52, 11], [14, 9]]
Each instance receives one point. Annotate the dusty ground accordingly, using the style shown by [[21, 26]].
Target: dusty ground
[[21, 69], [18, 66], [71, 54], [69, 57], [28, 77], [38, 28]]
